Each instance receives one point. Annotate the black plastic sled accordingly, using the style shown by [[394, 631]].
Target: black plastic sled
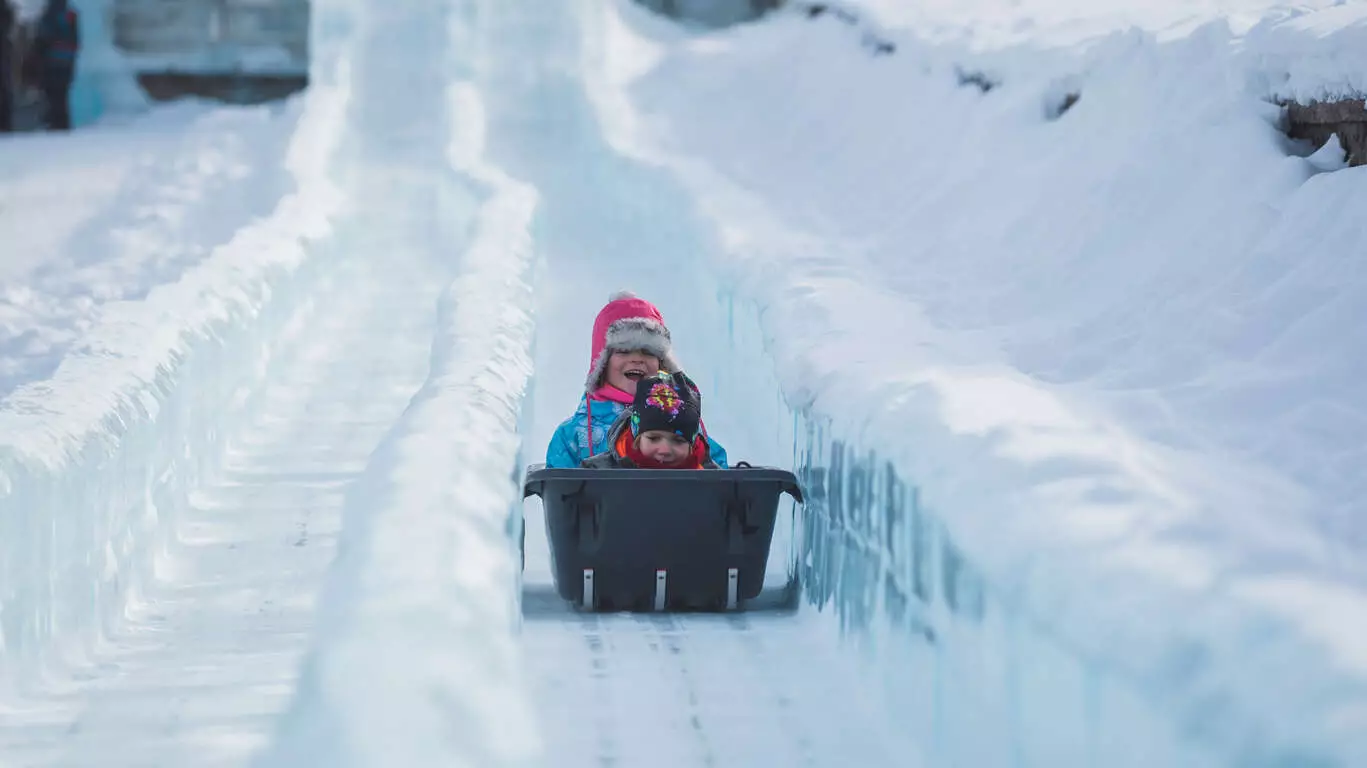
[[658, 539]]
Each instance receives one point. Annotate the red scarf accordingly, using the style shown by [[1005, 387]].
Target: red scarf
[[626, 446], [607, 392]]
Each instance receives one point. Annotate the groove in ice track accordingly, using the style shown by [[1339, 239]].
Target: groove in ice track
[[698, 690], [206, 658]]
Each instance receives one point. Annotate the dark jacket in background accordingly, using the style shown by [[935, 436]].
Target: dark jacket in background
[[7, 66], [55, 46]]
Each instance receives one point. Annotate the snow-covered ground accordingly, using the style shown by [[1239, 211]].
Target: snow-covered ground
[[1116, 352], [1304, 50], [105, 215], [1074, 395], [996, 24], [204, 658]]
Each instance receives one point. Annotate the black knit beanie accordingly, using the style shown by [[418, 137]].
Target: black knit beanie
[[668, 402]]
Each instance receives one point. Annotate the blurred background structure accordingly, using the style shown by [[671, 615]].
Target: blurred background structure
[[712, 12], [134, 52], [239, 51]]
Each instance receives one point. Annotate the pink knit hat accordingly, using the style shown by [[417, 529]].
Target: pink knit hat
[[628, 324]]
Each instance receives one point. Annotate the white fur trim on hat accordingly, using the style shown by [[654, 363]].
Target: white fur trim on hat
[[631, 334]]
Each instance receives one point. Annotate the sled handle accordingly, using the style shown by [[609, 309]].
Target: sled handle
[[533, 487], [538, 488], [790, 487]]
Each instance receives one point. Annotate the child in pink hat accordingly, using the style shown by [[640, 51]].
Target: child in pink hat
[[630, 342]]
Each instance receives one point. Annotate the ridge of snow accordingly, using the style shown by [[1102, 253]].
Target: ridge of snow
[[415, 660]]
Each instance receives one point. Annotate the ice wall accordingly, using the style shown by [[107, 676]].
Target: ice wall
[[975, 679], [96, 462]]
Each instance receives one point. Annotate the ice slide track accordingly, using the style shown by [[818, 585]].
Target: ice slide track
[[661, 690], [742, 689], [766, 684], [205, 661]]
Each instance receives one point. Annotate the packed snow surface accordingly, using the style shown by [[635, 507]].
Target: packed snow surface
[[104, 216], [414, 661], [1085, 325]]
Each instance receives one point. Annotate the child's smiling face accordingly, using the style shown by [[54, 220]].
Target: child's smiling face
[[667, 448], [627, 368]]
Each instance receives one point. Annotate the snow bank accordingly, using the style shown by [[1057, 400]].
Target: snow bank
[[983, 25], [1308, 57], [96, 461], [1303, 52], [415, 660], [974, 679], [103, 215], [1094, 378]]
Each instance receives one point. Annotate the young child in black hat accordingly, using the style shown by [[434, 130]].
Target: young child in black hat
[[662, 429]]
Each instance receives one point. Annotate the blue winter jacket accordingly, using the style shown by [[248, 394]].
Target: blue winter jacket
[[569, 444]]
